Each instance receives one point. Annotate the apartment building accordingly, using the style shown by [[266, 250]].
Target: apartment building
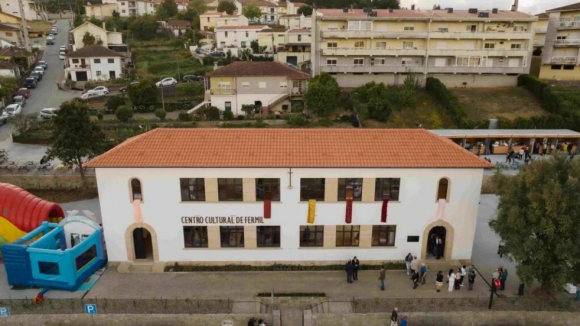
[[560, 54], [101, 10], [296, 49], [32, 10], [269, 10], [295, 21], [541, 29], [132, 8], [272, 39], [288, 196], [460, 47], [211, 20], [237, 38], [109, 39]]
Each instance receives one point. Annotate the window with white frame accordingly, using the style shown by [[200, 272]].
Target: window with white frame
[[331, 45], [468, 61], [98, 73], [519, 28], [283, 84], [359, 61], [443, 29], [381, 45], [407, 45], [226, 85], [380, 61], [331, 62], [516, 46], [262, 84], [409, 28], [360, 25], [489, 46], [243, 44], [245, 84], [359, 44]]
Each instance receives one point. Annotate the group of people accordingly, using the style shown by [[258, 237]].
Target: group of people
[[395, 318], [435, 245], [253, 322], [455, 278], [500, 274], [352, 270]]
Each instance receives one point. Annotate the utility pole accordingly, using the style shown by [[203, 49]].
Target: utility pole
[[24, 27], [59, 11]]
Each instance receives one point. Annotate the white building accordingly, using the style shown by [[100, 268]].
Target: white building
[[132, 8], [108, 39], [291, 196], [8, 69], [295, 21], [94, 62], [237, 38], [32, 10]]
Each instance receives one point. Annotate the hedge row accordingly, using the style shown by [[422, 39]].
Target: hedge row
[[399, 265], [435, 88], [292, 294]]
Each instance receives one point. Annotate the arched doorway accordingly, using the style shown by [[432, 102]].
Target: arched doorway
[[445, 232], [143, 244], [436, 242]]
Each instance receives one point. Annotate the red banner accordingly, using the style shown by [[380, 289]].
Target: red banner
[[267, 208], [384, 211], [348, 218]]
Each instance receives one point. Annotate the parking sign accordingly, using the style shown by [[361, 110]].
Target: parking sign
[[4, 312], [90, 309]]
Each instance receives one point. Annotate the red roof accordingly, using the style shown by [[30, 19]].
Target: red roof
[[316, 148]]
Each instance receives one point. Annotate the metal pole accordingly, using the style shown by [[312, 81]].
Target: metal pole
[[93, 319], [162, 98], [272, 297], [59, 11], [24, 27]]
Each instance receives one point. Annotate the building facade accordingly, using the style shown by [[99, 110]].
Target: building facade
[[296, 50], [460, 47], [560, 54], [237, 38], [266, 86], [94, 62], [108, 39], [11, 34], [261, 204], [101, 10], [541, 29], [295, 21], [32, 10]]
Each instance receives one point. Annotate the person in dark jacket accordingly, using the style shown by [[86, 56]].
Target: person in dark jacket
[[503, 278], [349, 270], [252, 322], [355, 266], [415, 279]]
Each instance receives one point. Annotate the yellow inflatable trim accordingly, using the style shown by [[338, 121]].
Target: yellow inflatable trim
[[10, 232], [311, 210]]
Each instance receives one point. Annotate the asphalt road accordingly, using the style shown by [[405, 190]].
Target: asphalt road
[[47, 94]]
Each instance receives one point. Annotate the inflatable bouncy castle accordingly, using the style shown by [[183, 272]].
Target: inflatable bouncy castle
[[21, 213]]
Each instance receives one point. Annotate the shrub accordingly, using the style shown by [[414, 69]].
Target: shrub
[[161, 114], [190, 89], [240, 117], [124, 113], [184, 116], [210, 113], [228, 115], [297, 120], [448, 100], [100, 116], [114, 102]]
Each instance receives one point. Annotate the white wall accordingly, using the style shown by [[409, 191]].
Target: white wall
[[98, 32], [235, 37], [104, 67], [7, 73], [163, 210], [114, 38]]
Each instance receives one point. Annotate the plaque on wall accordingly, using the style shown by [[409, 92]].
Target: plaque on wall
[[413, 238]]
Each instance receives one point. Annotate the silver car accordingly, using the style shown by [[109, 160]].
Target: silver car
[[48, 113]]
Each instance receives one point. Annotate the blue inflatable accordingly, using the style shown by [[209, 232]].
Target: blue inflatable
[[56, 256]]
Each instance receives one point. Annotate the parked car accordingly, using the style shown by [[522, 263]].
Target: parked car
[[48, 113], [23, 92], [30, 82], [100, 89], [169, 81], [54, 30], [200, 51], [124, 88], [62, 55], [63, 48], [218, 54], [29, 165], [37, 75], [40, 70], [19, 100], [192, 78], [43, 64], [12, 110], [50, 40], [90, 95]]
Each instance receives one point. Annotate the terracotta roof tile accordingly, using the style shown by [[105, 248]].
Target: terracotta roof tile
[[4, 27], [543, 16], [177, 22], [255, 148], [7, 65], [300, 30], [15, 52], [257, 68], [573, 6]]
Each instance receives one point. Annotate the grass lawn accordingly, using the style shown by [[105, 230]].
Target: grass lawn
[[39, 26], [506, 102]]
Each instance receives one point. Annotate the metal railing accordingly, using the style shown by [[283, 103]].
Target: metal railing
[[567, 42], [570, 60]]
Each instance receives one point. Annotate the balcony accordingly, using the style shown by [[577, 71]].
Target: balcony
[[541, 30], [223, 91], [131, 4], [539, 42], [569, 25], [367, 69], [478, 70], [79, 66], [565, 43], [479, 52], [342, 33], [564, 60], [373, 51], [486, 35]]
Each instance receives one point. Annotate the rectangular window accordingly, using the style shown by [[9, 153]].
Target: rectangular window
[[48, 268], [86, 257], [224, 85], [97, 60], [268, 236], [192, 189], [195, 236], [245, 84], [247, 34], [349, 187], [222, 44], [519, 28], [262, 84], [226, 34], [110, 60], [409, 28], [359, 44], [516, 46], [98, 73], [331, 45], [283, 84], [243, 44], [407, 45], [360, 25], [568, 67], [311, 236], [230, 189], [489, 46], [268, 189], [232, 236], [359, 62], [312, 188], [299, 38], [347, 235], [384, 235], [381, 45], [387, 188], [75, 60], [228, 106], [561, 37], [331, 62], [443, 29]]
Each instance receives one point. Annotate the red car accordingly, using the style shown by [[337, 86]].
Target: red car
[[23, 92]]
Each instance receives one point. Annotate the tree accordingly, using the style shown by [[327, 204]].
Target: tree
[[378, 103], [144, 28], [161, 13], [252, 11], [322, 95], [188, 15], [304, 10], [7, 87], [124, 113], [227, 6], [114, 102], [116, 14], [199, 6], [75, 138], [89, 39], [537, 219], [436, 7], [170, 6], [161, 114], [79, 20], [143, 96]]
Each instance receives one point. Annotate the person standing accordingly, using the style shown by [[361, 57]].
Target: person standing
[[415, 265], [439, 281], [457, 278], [578, 292], [394, 316], [349, 272], [471, 279], [382, 277], [408, 261], [415, 279], [463, 274], [252, 322], [451, 280], [355, 266], [404, 321], [503, 279], [261, 322], [423, 273], [439, 248]]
